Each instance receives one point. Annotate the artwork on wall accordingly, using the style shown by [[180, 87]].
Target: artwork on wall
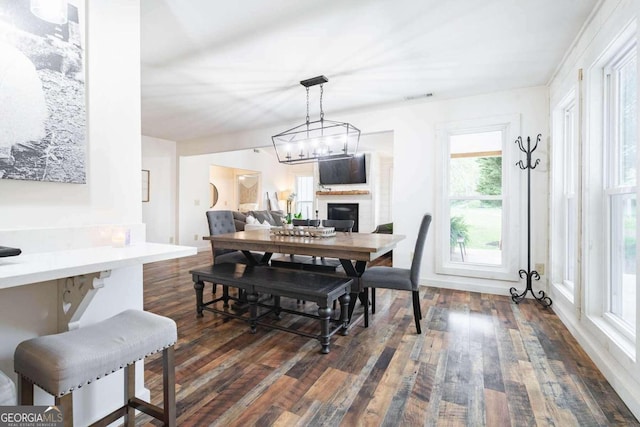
[[248, 187], [42, 91], [145, 185], [274, 205]]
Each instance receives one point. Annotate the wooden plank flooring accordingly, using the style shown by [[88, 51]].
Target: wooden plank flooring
[[481, 360]]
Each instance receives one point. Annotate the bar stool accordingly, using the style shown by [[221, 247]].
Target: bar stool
[[62, 363], [7, 391]]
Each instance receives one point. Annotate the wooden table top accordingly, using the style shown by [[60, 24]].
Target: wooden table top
[[353, 246]]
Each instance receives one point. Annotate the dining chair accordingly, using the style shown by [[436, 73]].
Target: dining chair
[[402, 279], [329, 265], [222, 222], [345, 225]]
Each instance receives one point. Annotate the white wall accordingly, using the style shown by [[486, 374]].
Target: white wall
[[194, 177], [621, 370], [113, 135], [414, 166], [159, 214], [111, 195]]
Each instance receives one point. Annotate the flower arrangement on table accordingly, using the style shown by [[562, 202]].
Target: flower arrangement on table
[[290, 200]]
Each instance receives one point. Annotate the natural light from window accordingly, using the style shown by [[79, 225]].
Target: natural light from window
[[475, 197]]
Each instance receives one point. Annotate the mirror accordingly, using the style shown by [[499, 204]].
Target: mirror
[[248, 191], [214, 194]]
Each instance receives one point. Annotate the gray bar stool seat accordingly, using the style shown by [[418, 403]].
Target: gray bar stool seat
[[62, 363], [7, 391]]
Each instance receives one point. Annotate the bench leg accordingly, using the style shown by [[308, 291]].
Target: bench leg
[[253, 310], [225, 296], [199, 287], [325, 315], [344, 313], [276, 306]]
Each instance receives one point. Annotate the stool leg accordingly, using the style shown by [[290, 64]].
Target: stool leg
[[65, 404], [129, 393], [25, 391], [169, 386]]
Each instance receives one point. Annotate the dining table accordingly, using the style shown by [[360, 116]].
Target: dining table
[[354, 250]]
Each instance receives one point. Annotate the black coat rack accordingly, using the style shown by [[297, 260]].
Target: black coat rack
[[529, 274]]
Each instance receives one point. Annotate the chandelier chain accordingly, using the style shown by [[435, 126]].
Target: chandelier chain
[[321, 110], [307, 105]]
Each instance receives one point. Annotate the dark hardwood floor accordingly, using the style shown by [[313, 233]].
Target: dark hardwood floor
[[481, 360]]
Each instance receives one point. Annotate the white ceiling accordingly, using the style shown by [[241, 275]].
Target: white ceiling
[[213, 66]]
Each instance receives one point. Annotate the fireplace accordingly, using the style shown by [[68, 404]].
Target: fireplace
[[344, 211]]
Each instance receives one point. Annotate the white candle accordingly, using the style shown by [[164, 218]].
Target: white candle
[[120, 237]]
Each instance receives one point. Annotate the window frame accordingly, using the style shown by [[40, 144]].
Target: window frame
[[596, 214], [614, 187], [512, 192], [566, 163]]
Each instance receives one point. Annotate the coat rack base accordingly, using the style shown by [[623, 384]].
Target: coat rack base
[[516, 297]]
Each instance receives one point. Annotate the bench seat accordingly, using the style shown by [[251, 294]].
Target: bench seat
[[254, 280]]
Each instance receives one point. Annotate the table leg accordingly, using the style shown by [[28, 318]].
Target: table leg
[[354, 271]]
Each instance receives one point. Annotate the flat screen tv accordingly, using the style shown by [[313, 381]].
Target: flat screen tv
[[343, 171]]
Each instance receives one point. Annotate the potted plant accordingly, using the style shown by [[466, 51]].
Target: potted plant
[[290, 200]]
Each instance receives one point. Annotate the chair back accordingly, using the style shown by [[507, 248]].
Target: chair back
[[220, 222], [419, 249], [339, 224]]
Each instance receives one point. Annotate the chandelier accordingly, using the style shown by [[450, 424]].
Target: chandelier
[[318, 140]]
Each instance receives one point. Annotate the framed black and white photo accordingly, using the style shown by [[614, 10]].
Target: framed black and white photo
[[145, 185], [42, 95]]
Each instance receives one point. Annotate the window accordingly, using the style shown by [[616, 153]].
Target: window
[[304, 196], [476, 232], [570, 214], [475, 198], [620, 142]]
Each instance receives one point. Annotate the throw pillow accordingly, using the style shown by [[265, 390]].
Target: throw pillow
[[278, 217], [263, 216]]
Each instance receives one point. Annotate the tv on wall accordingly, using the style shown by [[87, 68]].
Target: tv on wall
[[343, 171]]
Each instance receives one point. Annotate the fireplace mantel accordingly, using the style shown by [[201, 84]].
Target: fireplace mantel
[[343, 193]]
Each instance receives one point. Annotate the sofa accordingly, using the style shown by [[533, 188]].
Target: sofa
[[270, 217]]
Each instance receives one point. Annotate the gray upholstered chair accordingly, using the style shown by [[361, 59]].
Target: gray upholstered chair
[[222, 222], [329, 265], [402, 279]]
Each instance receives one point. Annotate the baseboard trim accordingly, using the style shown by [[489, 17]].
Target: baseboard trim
[[470, 286]]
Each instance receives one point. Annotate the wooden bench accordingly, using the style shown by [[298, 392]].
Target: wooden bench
[[255, 280]]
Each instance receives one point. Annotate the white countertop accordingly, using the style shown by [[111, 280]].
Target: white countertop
[[40, 267]]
